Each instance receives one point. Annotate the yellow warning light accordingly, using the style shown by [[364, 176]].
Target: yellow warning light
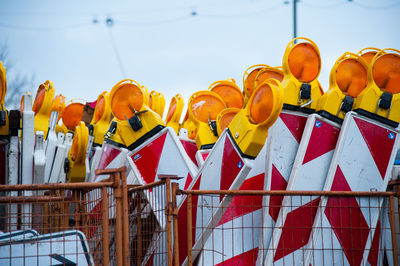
[[301, 66], [77, 154], [386, 72], [348, 78], [42, 106], [58, 105], [225, 117], [126, 96], [381, 100], [249, 77], [203, 107], [101, 118], [229, 92], [368, 54], [189, 125], [72, 115], [268, 73], [157, 102], [133, 121], [175, 112], [249, 127], [4, 122]]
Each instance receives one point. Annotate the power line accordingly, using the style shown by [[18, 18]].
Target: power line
[[41, 28], [109, 25]]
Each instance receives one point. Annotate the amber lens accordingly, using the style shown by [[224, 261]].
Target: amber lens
[[249, 83], [386, 73], [368, 56], [232, 96], [227, 117], [304, 62], [74, 147], [125, 96], [351, 77], [268, 74], [100, 108], [72, 115], [39, 99], [21, 105], [206, 107], [58, 104], [261, 104], [171, 109]]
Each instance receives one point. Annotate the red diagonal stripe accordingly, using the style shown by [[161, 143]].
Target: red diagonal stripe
[[148, 157], [374, 251], [378, 142], [295, 124], [296, 229], [246, 258], [231, 166], [275, 202], [242, 205], [322, 140], [108, 156], [347, 221], [191, 149]]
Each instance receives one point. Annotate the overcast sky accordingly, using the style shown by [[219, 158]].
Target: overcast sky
[[180, 46]]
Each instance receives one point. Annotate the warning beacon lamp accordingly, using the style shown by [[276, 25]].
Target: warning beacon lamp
[[42, 106], [175, 112], [134, 121], [74, 165], [268, 73], [301, 67], [381, 100], [101, 119], [189, 125], [248, 80], [225, 117], [58, 105], [368, 54], [157, 102], [348, 78], [3, 112], [249, 127], [72, 115], [203, 107], [229, 92]]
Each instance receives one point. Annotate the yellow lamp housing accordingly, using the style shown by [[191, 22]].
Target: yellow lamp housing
[[225, 117], [229, 92], [101, 119], [189, 125], [134, 121], [268, 73], [203, 107], [76, 168], [368, 54], [4, 123], [72, 116], [348, 78], [42, 106], [175, 112], [157, 102], [58, 105], [249, 128], [381, 100], [301, 67], [248, 80]]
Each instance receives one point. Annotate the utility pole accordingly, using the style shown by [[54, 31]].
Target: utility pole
[[294, 19]]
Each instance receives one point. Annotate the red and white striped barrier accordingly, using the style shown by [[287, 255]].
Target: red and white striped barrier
[[362, 161]]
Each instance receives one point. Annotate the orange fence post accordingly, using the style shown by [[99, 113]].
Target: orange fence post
[[104, 221], [393, 230], [175, 187]]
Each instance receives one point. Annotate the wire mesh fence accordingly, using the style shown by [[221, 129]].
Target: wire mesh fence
[[109, 223]]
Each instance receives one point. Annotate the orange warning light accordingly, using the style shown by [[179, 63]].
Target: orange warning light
[[351, 77], [206, 105], [99, 109], [225, 117], [249, 77], [124, 98], [268, 73], [386, 72], [368, 54], [39, 98], [229, 92], [171, 109], [260, 105], [304, 62], [72, 115]]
